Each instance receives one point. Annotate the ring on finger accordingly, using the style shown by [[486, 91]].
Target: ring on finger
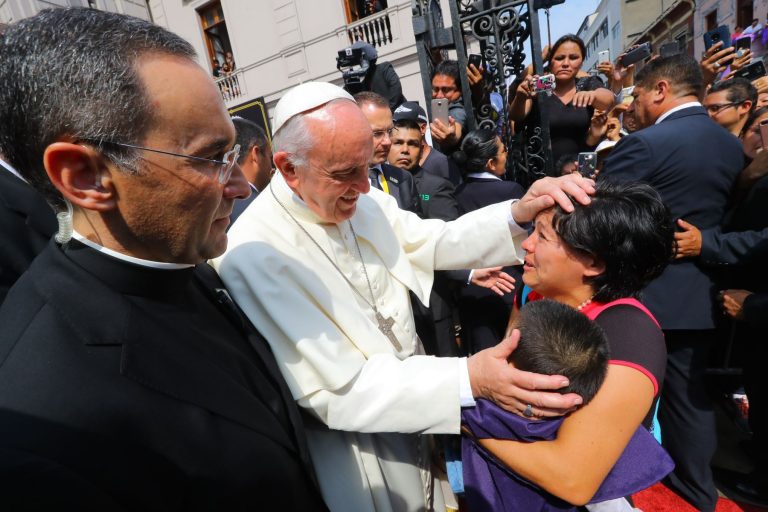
[[528, 412], [717, 65]]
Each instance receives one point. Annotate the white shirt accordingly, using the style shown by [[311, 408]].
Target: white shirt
[[130, 259], [676, 109], [5, 165]]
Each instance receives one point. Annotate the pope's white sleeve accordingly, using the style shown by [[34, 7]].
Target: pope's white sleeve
[[393, 395]]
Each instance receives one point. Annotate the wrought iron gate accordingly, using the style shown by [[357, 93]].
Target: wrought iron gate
[[506, 30]]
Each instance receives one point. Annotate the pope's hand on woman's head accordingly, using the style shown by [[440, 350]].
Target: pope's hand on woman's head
[[545, 192], [494, 378]]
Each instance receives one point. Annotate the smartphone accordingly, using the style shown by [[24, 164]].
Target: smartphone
[[625, 96], [670, 49], [603, 56], [475, 59], [764, 132], [743, 45], [633, 56], [751, 71], [587, 164], [545, 83], [716, 35], [440, 110]]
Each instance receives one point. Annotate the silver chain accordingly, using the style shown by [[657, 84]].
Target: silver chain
[[328, 257]]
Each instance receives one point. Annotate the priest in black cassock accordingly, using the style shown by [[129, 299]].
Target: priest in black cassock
[[128, 378]]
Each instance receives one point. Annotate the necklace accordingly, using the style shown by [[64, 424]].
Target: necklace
[[384, 323], [584, 304]]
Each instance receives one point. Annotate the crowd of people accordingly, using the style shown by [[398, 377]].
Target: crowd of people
[[362, 312]]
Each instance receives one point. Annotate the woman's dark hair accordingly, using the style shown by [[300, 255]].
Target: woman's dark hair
[[448, 68], [754, 116], [628, 229], [477, 148], [567, 38]]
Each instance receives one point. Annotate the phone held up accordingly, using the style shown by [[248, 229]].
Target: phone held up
[[743, 45], [752, 71], [440, 110], [545, 84], [587, 164], [717, 35], [764, 133], [476, 60], [637, 54], [603, 56]]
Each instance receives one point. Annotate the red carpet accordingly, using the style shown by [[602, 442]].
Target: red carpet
[[660, 499]]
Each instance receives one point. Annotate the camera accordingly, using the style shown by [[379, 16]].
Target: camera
[[353, 64], [545, 83]]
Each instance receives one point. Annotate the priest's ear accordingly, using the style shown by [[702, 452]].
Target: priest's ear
[[284, 164], [81, 174]]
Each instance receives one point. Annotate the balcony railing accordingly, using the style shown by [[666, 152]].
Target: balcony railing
[[375, 30], [232, 86]]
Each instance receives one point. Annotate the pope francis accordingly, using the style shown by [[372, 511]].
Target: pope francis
[[322, 265]]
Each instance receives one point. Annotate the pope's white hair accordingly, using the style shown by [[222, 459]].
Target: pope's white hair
[[295, 137]]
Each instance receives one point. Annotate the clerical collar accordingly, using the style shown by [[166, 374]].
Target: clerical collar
[[5, 165], [483, 175], [130, 259], [127, 277]]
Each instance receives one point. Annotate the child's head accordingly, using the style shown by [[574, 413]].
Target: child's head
[[556, 339]]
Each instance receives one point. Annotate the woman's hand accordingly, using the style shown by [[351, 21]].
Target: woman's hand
[[761, 84], [584, 98], [598, 127], [474, 75], [733, 302], [715, 60], [445, 135], [494, 279], [740, 62], [526, 90]]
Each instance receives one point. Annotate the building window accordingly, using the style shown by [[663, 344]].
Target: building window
[[744, 14], [710, 20], [359, 9], [604, 29], [616, 30], [215, 32]]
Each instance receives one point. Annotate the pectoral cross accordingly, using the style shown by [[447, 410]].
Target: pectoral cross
[[385, 326]]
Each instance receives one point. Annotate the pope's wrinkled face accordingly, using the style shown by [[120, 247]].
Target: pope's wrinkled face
[[336, 169], [175, 209]]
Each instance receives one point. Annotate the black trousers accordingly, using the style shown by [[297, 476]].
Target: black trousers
[[687, 417]]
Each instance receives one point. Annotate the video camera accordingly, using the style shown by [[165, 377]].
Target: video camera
[[354, 64]]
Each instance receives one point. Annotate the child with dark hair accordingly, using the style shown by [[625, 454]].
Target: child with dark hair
[[555, 339]]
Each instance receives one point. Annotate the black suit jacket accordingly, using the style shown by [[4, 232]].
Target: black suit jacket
[[484, 314], [436, 195], [477, 193], [692, 162], [26, 225], [104, 408], [402, 187]]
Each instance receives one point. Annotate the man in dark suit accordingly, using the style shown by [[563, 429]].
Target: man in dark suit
[[128, 378], [692, 162], [26, 225], [392, 180], [255, 161], [434, 325]]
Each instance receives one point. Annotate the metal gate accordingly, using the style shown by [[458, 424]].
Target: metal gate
[[507, 31]]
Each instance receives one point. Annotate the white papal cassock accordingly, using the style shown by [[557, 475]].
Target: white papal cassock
[[371, 400]]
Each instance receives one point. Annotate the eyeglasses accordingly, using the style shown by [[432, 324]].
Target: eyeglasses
[[717, 107], [379, 134], [221, 169]]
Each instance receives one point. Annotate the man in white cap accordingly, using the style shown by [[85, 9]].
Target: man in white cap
[[323, 264]]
